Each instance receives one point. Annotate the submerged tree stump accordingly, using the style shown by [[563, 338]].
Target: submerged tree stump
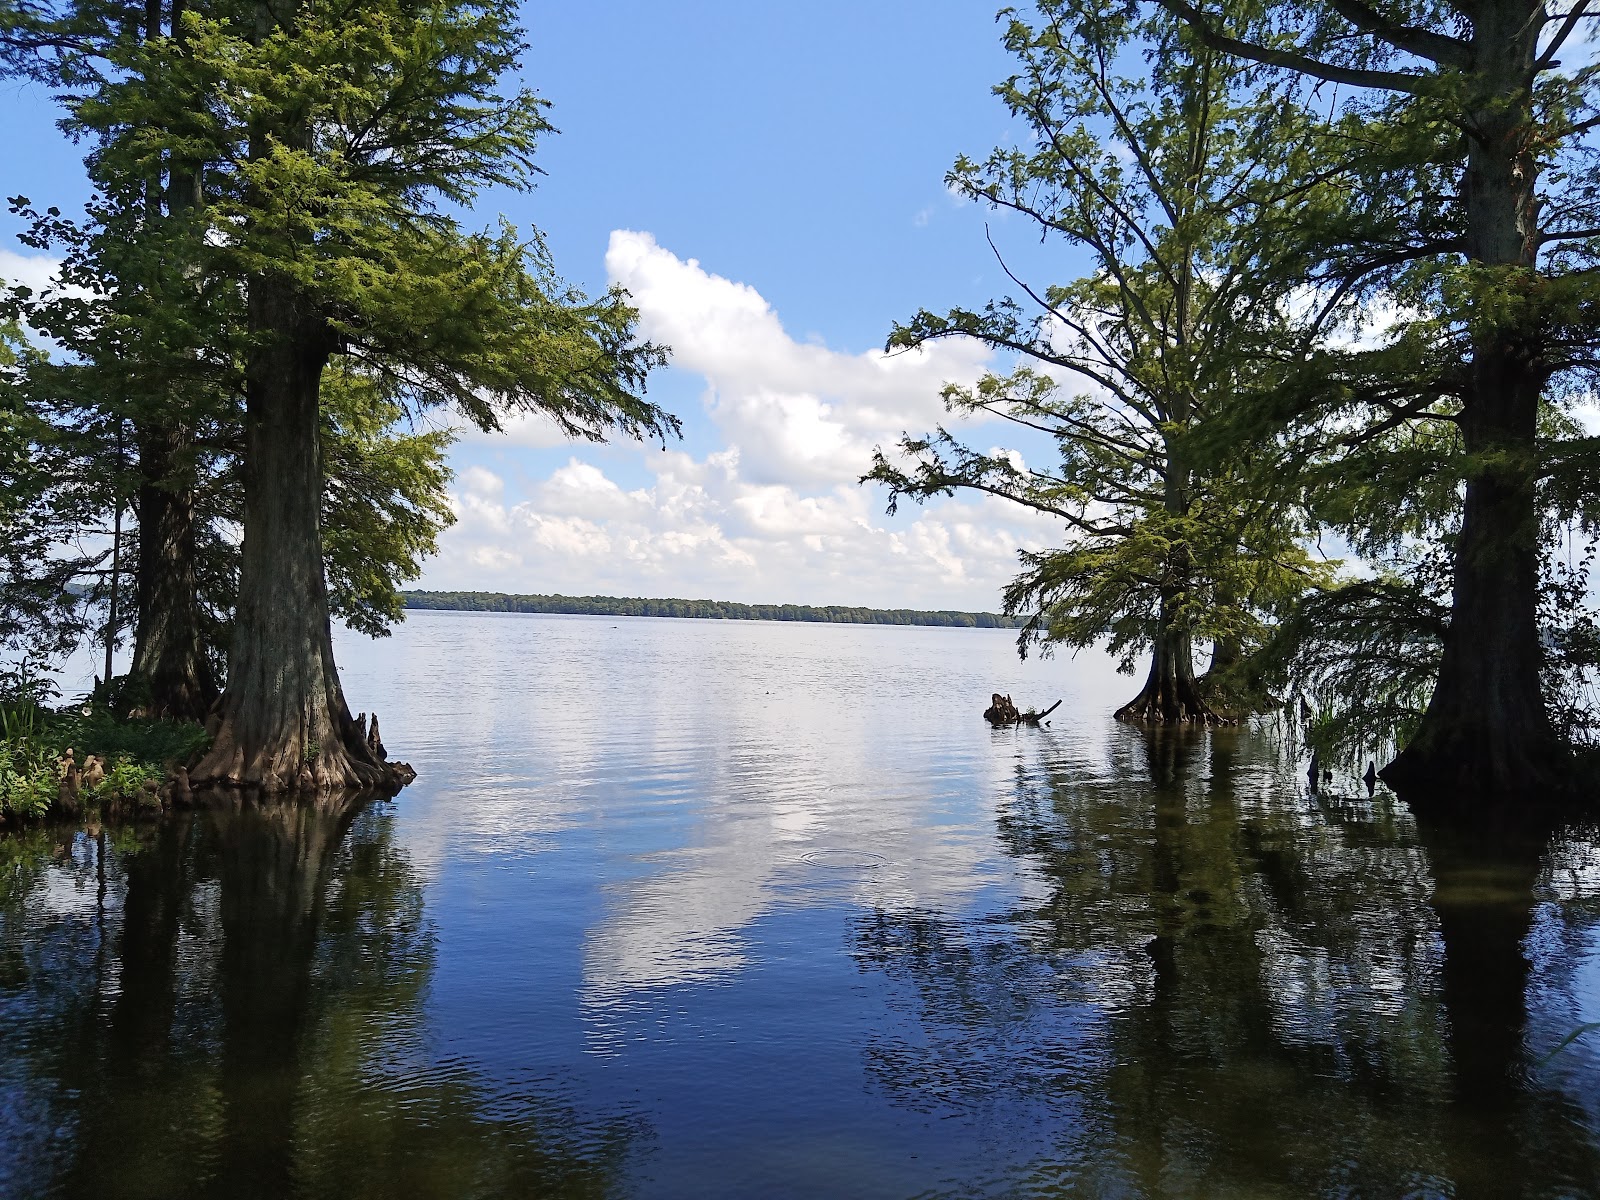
[[1002, 711]]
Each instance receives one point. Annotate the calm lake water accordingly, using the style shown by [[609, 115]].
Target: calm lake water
[[698, 909]]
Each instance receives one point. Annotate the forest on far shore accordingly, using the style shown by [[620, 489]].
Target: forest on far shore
[[714, 610]]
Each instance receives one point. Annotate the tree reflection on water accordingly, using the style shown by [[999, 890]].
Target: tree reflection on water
[[232, 1005], [1179, 976], [1222, 986]]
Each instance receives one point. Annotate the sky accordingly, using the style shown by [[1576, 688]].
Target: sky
[[768, 183]]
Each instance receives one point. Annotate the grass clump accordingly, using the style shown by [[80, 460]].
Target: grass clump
[[30, 775], [101, 733], [134, 758]]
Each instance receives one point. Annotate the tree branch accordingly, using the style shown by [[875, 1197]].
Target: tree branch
[[1424, 43], [1394, 81], [1568, 235], [1579, 11]]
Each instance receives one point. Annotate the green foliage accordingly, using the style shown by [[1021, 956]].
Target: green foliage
[[136, 756], [385, 501], [1571, 644], [321, 153], [29, 773], [26, 682], [1457, 196], [329, 141], [97, 731], [43, 501], [1167, 182], [130, 780], [1361, 658]]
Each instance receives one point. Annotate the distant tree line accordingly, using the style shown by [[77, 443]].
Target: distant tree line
[[713, 610]]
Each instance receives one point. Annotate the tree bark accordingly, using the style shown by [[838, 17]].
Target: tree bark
[[169, 656], [114, 592], [1486, 735], [1217, 682], [284, 722], [1171, 694]]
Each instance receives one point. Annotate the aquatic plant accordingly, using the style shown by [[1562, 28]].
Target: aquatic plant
[[29, 779], [41, 750]]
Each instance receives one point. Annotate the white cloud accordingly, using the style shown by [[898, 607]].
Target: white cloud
[[482, 482], [798, 411], [702, 531], [36, 271], [774, 513], [582, 489]]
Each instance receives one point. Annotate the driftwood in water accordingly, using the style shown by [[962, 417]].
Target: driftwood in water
[[1002, 711]]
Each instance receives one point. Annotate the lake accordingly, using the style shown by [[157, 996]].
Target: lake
[[695, 909]]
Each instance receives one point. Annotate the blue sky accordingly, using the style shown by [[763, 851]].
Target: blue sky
[[768, 180]]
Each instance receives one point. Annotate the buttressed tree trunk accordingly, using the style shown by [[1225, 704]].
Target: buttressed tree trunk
[[168, 654], [1171, 694], [1486, 733], [284, 722]]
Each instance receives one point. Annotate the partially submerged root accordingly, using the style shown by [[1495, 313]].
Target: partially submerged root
[[1002, 711], [353, 759], [1176, 706]]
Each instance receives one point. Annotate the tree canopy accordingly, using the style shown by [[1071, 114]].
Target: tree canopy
[[1172, 181], [281, 282]]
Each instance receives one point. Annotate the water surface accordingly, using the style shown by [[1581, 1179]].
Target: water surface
[[692, 908]]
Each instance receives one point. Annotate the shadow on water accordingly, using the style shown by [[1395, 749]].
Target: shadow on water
[[231, 1004], [1222, 986]]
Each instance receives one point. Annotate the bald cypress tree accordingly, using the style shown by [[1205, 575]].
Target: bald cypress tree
[[1167, 185], [338, 138], [330, 150], [1475, 203]]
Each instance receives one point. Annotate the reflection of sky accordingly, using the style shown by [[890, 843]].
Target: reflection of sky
[[1563, 949], [728, 770], [646, 842], [651, 845], [781, 894]]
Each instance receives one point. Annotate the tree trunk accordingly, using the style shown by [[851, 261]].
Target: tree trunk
[[284, 722], [169, 646], [1486, 735], [169, 656], [114, 592], [1171, 695], [1226, 655]]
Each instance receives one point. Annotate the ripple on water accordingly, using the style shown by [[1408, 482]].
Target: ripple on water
[[844, 859]]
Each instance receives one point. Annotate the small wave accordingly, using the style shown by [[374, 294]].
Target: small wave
[[844, 860]]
